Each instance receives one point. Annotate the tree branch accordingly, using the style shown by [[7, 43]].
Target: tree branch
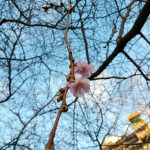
[[128, 57], [135, 30], [143, 36]]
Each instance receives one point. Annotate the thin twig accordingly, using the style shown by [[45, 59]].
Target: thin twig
[[64, 91]]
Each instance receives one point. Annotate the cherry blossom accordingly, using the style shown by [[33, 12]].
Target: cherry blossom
[[84, 69], [79, 87]]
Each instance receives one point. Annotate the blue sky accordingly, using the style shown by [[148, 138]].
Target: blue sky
[[111, 96]]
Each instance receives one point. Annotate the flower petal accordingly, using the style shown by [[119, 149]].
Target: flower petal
[[84, 69], [79, 87]]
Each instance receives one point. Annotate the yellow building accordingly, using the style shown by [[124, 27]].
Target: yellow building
[[140, 126], [139, 140]]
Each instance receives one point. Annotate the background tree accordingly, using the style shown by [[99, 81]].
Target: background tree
[[112, 35]]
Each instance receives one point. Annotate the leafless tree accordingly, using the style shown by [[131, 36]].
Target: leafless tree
[[39, 43]]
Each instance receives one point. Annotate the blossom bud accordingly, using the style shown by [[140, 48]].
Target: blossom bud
[[64, 108]]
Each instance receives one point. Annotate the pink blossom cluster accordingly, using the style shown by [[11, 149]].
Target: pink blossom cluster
[[81, 85]]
